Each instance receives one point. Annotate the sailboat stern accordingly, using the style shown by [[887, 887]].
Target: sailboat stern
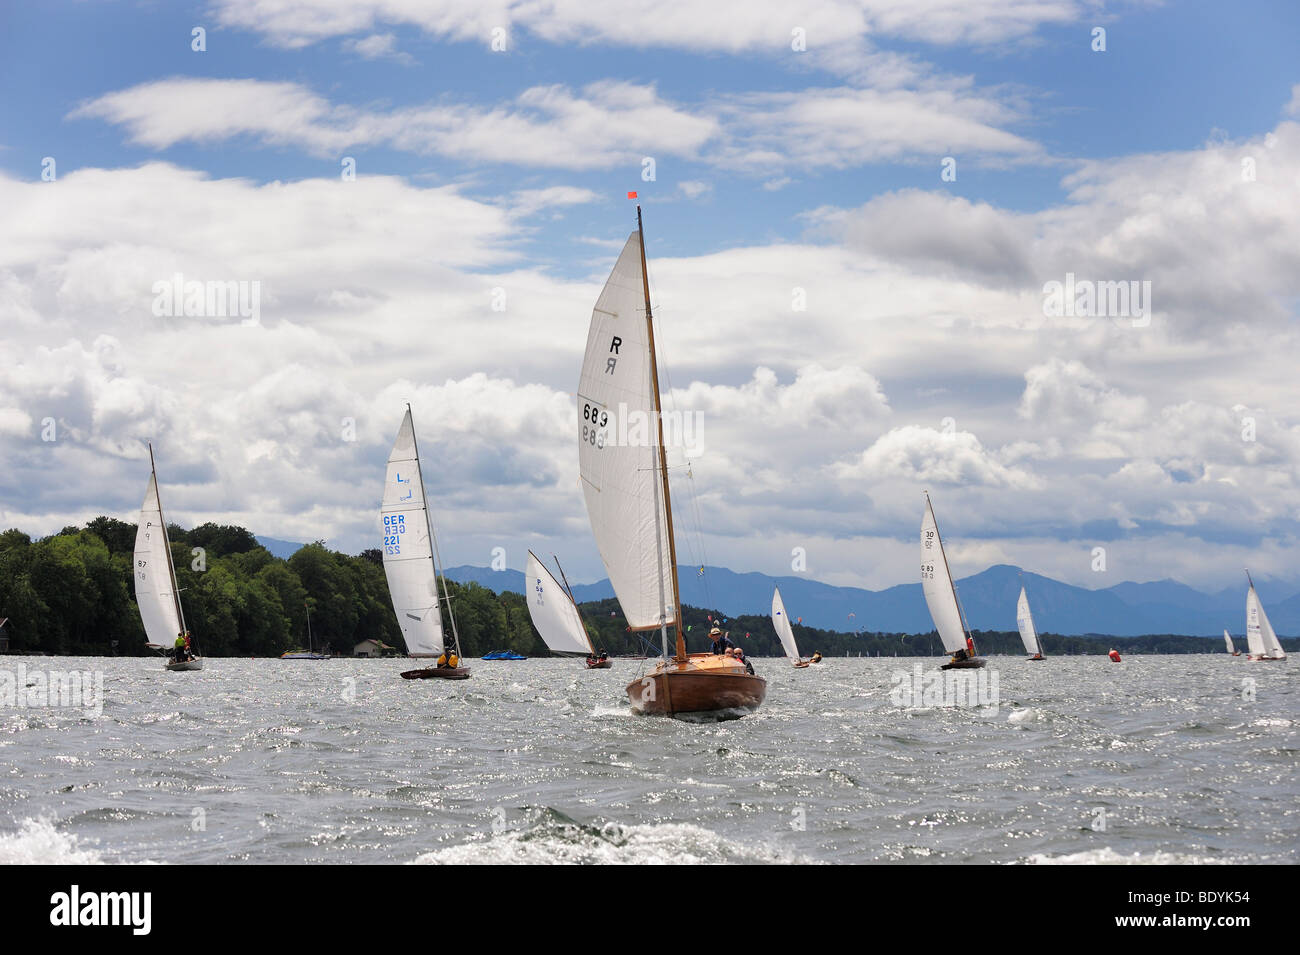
[[705, 685]]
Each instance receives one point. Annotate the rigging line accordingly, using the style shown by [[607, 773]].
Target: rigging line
[[695, 538]]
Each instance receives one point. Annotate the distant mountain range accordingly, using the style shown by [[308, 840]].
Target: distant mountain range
[[989, 598]]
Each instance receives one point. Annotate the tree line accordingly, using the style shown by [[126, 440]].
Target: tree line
[[72, 593]]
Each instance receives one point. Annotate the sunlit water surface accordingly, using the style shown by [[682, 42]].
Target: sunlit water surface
[[1158, 759]]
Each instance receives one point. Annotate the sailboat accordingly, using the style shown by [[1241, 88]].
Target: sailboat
[[781, 621], [555, 615], [624, 470], [1228, 640], [941, 596], [1025, 621], [157, 595], [309, 653], [411, 562], [1261, 642]]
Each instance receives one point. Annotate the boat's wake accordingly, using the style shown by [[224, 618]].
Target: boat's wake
[[1108, 856], [554, 839]]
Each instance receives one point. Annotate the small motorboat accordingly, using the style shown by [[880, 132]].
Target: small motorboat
[[437, 673], [504, 655]]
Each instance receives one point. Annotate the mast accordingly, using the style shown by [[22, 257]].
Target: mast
[[663, 456], [948, 570], [171, 565], [307, 608], [574, 602], [428, 521]]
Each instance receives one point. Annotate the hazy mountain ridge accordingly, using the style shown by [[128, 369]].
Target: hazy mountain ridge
[[989, 599]]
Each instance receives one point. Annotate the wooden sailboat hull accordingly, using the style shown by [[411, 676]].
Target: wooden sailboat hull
[[195, 664], [703, 683], [437, 673], [802, 664], [971, 663], [601, 665], [1037, 656]]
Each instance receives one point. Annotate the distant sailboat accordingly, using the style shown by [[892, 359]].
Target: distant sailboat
[[624, 470], [1228, 640], [1261, 641], [309, 653], [1025, 621], [157, 594], [781, 622], [555, 615], [941, 596], [411, 561]]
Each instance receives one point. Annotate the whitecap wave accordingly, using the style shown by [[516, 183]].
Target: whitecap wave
[[37, 842], [1108, 856], [557, 843]]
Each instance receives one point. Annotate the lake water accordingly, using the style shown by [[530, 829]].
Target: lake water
[[1158, 759]]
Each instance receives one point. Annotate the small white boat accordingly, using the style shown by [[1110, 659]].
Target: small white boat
[[1028, 632], [941, 597], [157, 595], [1261, 641], [1228, 641], [411, 560], [555, 615], [781, 623]]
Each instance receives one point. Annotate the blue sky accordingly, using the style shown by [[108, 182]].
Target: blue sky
[[480, 170]]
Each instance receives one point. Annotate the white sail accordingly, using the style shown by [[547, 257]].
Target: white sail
[[1260, 638], [153, 573], [936, 584], [408, 548], [618, 455], [782, 624], [1228, 640], [1025, 621], [553, 612]]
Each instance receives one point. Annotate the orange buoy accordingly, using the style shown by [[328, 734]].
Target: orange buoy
[[1114, 656]]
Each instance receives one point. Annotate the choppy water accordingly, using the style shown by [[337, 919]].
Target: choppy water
[[342, 761]]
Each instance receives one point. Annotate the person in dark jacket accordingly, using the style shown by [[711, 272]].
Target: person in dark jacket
[[720, 641]]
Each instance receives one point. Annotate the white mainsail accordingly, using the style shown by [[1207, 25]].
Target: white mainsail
[[1025, 621], [1260, 638], [554, 614], [936, 584], [618, 455], [408, 548], [153, 572], [1228, 640], [781, 621]]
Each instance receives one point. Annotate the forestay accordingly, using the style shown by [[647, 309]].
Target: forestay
[[618, 456], [553, 612], [408, 550]]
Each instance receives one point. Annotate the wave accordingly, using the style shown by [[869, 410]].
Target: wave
[[556, 840], [37, 842], [1108, 856]]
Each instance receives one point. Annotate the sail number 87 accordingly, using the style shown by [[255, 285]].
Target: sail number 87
[[593, 423], [394, 526]]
